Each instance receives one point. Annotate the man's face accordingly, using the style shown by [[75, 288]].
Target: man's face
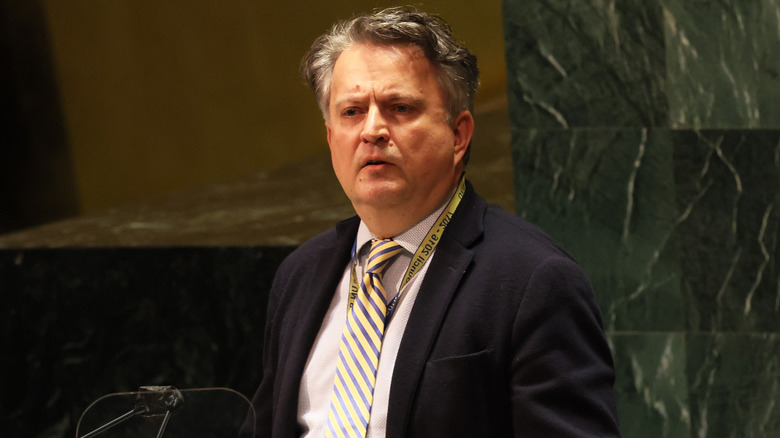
[[390, 142]]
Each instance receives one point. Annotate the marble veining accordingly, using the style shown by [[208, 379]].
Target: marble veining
[[632, 185], [764, 263]]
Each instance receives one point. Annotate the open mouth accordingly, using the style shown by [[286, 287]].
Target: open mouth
[[375, 163]]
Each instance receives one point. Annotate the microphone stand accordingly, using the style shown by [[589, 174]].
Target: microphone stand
[[151, 400]]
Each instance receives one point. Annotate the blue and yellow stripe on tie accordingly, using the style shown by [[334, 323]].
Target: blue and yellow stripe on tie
[[361, 343]]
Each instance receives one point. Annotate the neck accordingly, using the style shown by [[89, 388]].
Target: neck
[[385, 222]]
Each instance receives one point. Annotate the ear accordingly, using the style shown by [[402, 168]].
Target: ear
[[327, 129], [463, 128]]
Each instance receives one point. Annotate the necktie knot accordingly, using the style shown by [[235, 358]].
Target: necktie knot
[[380, 255]]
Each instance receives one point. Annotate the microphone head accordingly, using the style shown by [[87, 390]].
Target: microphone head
[[158, 400]]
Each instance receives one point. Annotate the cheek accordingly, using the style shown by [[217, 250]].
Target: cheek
[[433, 147], [341, 153], [343, 137], [339, 159], [336, 141]]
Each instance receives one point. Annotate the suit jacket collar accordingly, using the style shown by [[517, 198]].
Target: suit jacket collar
[[452, 258]]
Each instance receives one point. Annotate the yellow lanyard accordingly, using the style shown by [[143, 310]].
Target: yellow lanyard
[[422, 254]]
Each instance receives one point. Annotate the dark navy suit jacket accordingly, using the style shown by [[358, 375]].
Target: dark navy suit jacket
[[504, 340]]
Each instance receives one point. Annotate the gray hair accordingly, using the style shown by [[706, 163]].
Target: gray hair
[[458, 74]]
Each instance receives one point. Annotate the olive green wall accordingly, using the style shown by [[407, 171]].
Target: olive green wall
[[159, 96]]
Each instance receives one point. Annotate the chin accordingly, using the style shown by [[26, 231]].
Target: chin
[[378, 195]]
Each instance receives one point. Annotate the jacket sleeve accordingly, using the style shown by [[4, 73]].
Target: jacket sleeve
[[260, 424], [562, 373]]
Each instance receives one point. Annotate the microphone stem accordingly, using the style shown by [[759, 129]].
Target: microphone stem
[[115, 421], [164, 424]]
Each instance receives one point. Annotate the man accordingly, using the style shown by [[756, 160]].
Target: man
[[430, 313]]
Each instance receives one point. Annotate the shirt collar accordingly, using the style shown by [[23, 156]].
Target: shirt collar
[[410, 239]]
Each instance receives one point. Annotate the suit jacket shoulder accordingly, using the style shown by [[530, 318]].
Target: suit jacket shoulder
[[505, 338]]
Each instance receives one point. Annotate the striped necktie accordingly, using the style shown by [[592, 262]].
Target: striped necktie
[[361, 342]]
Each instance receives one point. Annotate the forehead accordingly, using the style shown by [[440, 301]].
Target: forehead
[[367, 67]]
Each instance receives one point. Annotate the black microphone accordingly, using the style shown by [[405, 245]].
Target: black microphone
[[151, 401]]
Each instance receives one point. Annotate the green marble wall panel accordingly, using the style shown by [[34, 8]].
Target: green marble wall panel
[[723, 63], [728, 195], [653, 384], [734, 384], [585, 63], [676, 63], [646, 139]]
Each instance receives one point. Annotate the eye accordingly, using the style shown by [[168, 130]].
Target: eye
[[403, 108], [349, 112]]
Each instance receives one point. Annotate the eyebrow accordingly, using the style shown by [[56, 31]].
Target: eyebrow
[[416, 101], [347, 100], [392, 97]]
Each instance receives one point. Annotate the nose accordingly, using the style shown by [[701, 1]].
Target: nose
[[375, 127]]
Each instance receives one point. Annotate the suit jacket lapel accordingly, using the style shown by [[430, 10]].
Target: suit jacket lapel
[[331, 260], [448, 265]]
